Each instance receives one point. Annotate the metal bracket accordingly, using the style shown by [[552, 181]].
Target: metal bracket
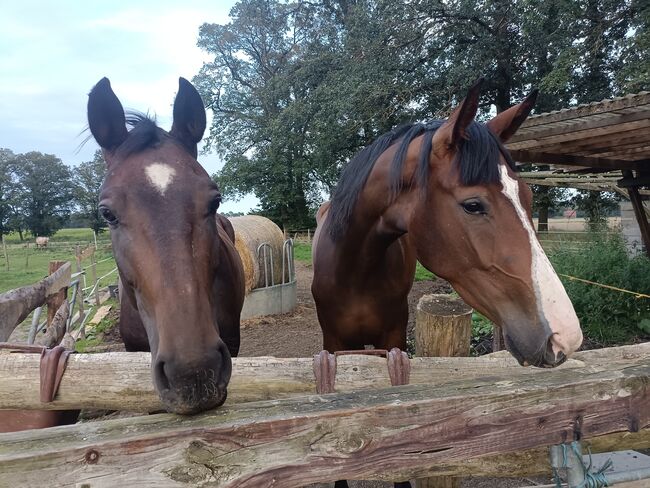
[[399, 367]]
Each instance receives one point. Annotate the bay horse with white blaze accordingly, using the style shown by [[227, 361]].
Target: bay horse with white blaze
[[182, 279], [446, 194]]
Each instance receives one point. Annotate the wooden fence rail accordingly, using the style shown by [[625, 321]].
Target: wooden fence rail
[[122, 381], [17, 304], [400, 433]]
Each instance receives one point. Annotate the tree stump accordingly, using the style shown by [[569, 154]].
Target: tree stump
[[443, 328]]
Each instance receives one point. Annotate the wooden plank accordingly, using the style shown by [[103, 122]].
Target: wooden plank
[[591, 130], [583, 128], [603, 140], [585, 110], [588, 161], [16, 305], [394, 433], [100, 314], [443, 328], [122, 381]]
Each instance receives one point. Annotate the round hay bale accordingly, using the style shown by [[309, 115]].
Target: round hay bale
[[250, 232]]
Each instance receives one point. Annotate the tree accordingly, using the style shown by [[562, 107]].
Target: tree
[[8, 193], [45, 192], [88, 178], [597, 206]]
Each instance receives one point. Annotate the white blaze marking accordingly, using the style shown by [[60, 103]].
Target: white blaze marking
[[160, 176], [552, 301]]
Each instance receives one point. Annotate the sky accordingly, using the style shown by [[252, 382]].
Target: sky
[[52, 53]]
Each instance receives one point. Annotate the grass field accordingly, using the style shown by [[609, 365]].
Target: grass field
[[302, 252], [27, 264]]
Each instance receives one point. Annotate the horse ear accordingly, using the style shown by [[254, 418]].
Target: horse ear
[[507, 122], [189, 114], [106, 116], [455, 127]]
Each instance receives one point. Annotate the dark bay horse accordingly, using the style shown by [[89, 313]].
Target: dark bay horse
[[182, 279], [444, 193]]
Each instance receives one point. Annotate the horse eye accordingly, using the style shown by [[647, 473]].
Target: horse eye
[[108, 216], [473, 207], [214, 205]]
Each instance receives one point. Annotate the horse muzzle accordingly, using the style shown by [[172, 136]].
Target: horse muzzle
[[189, 387]]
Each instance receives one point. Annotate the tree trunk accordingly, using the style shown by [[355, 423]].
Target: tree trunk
[[542, 224]]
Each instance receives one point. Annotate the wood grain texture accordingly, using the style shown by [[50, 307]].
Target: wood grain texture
[[403, 432], [122, 380], [16, 305]]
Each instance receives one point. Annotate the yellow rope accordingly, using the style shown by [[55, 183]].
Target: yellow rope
[[609, 287]]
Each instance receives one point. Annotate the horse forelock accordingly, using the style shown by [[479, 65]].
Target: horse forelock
[[477, 159]]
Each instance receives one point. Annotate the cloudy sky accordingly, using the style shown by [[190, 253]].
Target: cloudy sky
[[52, 53]]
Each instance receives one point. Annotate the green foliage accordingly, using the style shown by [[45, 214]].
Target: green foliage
[[596, 207], [45, 192], [88, 178], [298, 87], [423, 274], [10, 218], [302, 252], [607, 316], [94, 336]]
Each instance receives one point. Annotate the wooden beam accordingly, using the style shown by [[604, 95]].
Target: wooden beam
[[603, 140], [639, 212], [637, 100], [122, 381], [590, 162], [581, 129], [16, 305], [394, 433]]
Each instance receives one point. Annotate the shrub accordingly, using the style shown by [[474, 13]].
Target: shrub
[[607, 316]]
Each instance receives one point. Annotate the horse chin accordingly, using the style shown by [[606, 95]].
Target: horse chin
[[182, 406], [545, 358]]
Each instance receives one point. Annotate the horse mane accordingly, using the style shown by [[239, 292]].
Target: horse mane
[[477, 158], [143, 134]]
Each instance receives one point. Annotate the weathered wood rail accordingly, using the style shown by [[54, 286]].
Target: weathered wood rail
[[122, 381], [465, 424], [409, 432], [16, 305]]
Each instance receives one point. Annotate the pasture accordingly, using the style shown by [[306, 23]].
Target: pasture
[[27, 264]]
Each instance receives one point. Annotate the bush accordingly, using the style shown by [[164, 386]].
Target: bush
[[607, 316]]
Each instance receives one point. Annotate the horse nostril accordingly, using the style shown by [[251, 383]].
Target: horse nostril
[[161, 375]]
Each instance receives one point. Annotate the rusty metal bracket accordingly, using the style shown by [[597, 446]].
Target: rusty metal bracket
[[52, 366], [399, 367], [53, 363]]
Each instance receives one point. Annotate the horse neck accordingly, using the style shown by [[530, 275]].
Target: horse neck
[[379, 219]]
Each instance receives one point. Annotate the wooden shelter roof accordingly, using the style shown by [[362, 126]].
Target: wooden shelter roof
[[592, 138]]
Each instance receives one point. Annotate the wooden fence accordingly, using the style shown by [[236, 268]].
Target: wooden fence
[[460, 416]]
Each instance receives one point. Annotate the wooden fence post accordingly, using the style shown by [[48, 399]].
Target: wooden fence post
[[55, 301], [93, 275], [4, 249], [443, 328], [80, 292]]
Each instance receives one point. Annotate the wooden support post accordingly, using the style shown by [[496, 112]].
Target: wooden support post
[[639, 212], [4, 249], [443, 328], [55, 300], [93, 275]]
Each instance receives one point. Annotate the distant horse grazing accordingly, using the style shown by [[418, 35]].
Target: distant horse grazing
[[182, 279], [42, 241], [444, 193]]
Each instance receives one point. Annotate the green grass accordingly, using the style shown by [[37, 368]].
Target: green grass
[[27, 265], [94, 336], [302, 252]]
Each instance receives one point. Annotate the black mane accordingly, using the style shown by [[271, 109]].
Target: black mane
[[144, 134], [477, 157]]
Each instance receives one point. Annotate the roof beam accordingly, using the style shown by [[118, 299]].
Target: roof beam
[[590, 162], [603, 107]]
